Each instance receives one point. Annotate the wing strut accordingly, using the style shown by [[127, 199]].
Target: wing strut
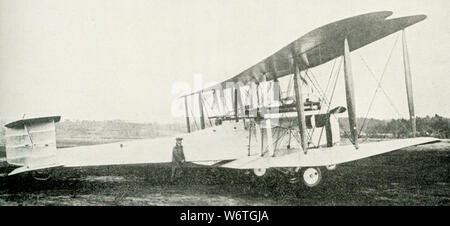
[[223, 101], [408, 81], [202, 116], [237, 102], [217, 104], [300, 105], [276, 91], [188, 125], [350, 94], [269, 137]]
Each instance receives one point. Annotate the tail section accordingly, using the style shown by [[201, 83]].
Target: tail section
[[31, 143]]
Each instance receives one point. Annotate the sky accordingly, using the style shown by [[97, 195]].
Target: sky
[[110, 59]]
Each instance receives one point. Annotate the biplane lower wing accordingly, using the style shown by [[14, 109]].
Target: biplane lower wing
[[327, 156], [209, 145], [139, 152], [31, 145]]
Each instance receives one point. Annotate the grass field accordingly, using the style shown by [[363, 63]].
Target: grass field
[[412, 176]]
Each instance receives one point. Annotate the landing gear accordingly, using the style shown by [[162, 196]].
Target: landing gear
[[312, 177], [294, 175], [40, 176], [331, 167], [259, 171]]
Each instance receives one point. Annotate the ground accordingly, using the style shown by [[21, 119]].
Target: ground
[[411, 176]]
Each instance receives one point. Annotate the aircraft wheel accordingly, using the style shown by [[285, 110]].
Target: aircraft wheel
[[312, 177], [331, 167], [259, 171], [41, 176]]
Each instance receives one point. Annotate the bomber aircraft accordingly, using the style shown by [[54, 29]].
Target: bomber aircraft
[[253, 124]]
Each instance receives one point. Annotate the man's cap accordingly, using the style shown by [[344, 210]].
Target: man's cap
[[179, 138]]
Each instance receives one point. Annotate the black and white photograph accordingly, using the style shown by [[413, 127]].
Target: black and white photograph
[[224, 103]]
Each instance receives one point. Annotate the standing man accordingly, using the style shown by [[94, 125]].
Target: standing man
[[177, 158]]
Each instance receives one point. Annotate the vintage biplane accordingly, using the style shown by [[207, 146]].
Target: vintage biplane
[[255, 126]]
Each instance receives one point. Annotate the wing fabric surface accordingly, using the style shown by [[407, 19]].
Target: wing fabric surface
[[322, 45], [328, 156], [31, 144], [212, 144], [227, 142]]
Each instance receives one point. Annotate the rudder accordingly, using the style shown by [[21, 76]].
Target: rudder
[[31, 143]]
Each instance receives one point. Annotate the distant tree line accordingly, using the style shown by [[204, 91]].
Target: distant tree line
[[108, 130], [436, 126], [115, 129]]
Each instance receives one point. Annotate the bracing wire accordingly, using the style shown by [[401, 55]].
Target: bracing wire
[[206, 110], [378, 84], [193, 119], [331, 74]]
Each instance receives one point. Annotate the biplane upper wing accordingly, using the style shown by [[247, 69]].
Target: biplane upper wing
[[322, 45]]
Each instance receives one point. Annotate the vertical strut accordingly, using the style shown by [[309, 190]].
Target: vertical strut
[[223, 101], [408, 82], [235, 104], [259, 99], [249, 137], [276, 91], [240, 106], [259, 138], [188, 125], [300, 106], [262, 95], [254, 99], [269, 137], [350, 94], [200, 105], [217, 105]]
